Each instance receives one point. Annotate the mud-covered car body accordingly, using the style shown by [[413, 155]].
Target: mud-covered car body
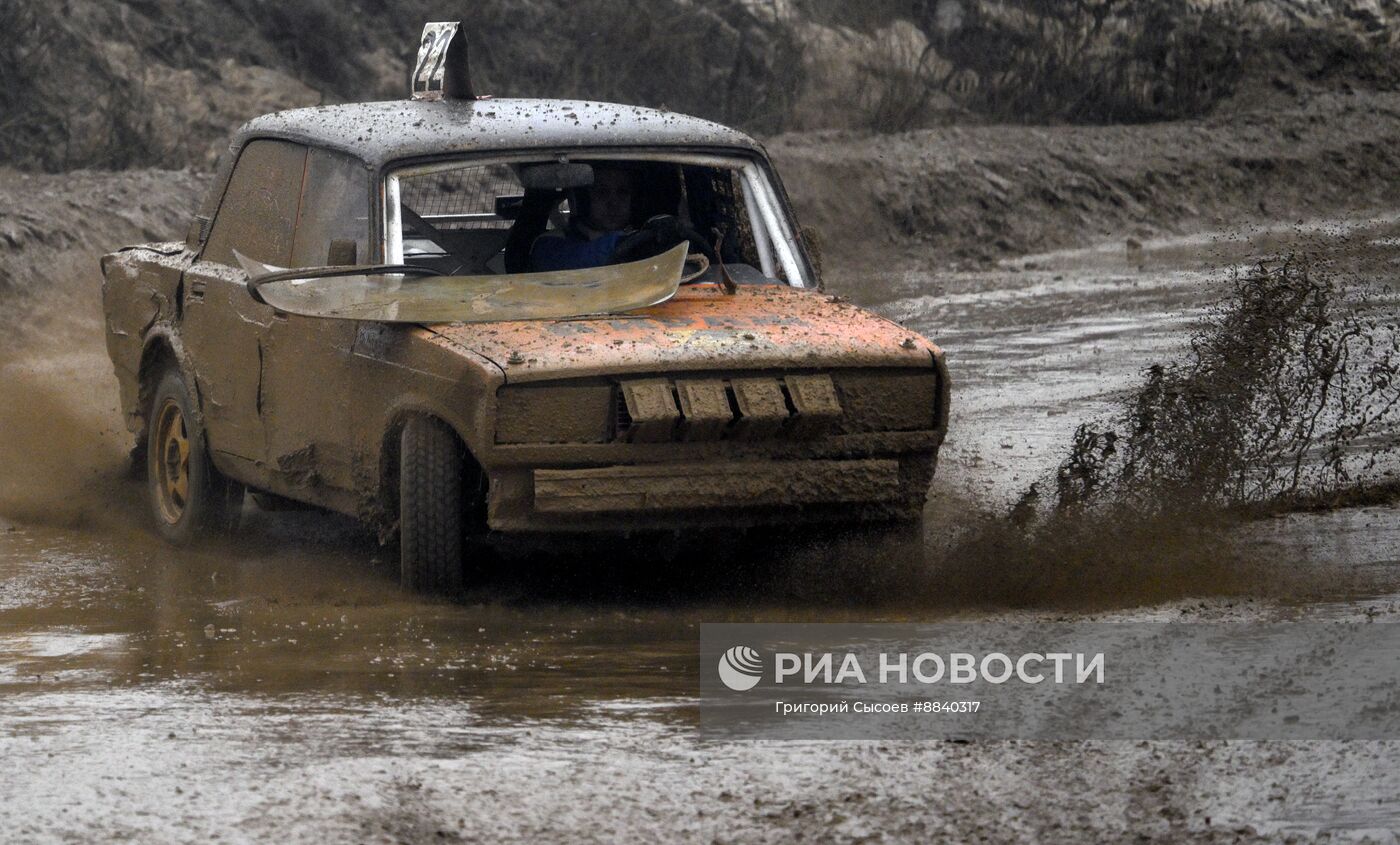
[[773, 403]]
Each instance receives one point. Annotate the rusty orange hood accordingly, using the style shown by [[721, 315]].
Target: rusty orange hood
[[701, 328]]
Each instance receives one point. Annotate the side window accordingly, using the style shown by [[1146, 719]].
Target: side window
[[334, 207], [259, 209]]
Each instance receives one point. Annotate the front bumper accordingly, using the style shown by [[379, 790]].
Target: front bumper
[[643, 489], [736, 493]]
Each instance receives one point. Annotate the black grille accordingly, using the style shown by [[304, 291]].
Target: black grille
[[622, 420]]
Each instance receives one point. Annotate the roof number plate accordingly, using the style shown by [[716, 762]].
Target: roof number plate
[[441, 69]]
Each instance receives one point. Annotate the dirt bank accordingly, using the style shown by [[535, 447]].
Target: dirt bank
[[53, 227], [98, 83], [949, 197], [968, 195]]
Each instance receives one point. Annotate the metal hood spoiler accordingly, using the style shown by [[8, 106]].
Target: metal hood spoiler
[[380, 295]]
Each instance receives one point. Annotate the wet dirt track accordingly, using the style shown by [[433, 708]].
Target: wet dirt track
[[281, 686]]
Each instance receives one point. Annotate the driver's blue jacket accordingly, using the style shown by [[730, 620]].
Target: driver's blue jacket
[[571, 252]]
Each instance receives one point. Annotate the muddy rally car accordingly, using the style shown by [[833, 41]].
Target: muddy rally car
[[455, 316]]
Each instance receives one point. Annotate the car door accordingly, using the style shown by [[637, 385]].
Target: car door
[[308, 384], [225, 331]]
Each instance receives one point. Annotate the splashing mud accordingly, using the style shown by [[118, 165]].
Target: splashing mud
[[1286, 397], [1114, 559], [62, 443], [62, 456], [1289, 391], [58, 465]]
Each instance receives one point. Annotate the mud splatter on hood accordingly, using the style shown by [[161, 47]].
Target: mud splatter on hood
[[701, 328]]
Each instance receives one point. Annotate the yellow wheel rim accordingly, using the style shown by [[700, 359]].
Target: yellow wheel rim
[[172, 462]]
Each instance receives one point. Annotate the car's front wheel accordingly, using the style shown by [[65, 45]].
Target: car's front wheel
[[431, 466], [188, 496]]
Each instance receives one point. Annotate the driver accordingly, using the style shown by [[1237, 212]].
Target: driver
[[593, 235], [602, 231]]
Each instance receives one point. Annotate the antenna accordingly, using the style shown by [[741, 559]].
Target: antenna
[[441, 71]]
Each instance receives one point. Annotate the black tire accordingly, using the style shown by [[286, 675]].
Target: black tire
[[189, 498], [431, 466]]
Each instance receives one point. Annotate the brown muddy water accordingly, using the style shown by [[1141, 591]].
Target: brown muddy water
[[280, 685]]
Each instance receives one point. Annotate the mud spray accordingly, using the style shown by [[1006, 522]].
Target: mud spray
[[62, 442], [1286, 398], [63, 446]]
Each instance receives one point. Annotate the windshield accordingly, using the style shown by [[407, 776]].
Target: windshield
[[533, 238], [535, 214]]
